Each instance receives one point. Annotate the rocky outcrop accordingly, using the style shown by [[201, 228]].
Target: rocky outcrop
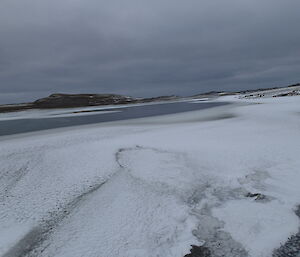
[[292, 93], [291, 248], [80, 100], [199, 251]]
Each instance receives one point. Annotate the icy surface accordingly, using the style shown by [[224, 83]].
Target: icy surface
[[71, 112], [54, 113], [152, 187]]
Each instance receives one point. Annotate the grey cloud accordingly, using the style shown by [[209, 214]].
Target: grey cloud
[[146, 48]]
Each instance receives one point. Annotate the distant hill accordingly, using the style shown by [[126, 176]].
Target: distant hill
[[59, 100], [80, 100]]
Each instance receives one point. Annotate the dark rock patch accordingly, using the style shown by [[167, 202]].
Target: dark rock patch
[[199, 251], [292, 246], [80, 100], [292, 93], [257, 196]]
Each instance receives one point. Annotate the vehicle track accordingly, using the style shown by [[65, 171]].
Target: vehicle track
[[32, 244]]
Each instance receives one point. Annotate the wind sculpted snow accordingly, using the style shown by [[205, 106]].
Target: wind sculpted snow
[[153, 187]]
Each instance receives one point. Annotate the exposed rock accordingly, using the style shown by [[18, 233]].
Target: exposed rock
[[257, 196], [79, 100], [291, 248], [198, 251], [292, 93]]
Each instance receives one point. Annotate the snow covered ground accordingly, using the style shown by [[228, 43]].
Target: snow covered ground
[[275, 92], [152, 187]]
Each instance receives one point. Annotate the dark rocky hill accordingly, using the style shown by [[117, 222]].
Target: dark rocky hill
[[80, 100]]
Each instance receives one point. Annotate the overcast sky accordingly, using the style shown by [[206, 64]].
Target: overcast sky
[[146, 47]]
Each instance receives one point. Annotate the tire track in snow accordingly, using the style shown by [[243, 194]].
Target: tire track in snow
[[144, 204], [213, 241], [34, 241], [11, 174]]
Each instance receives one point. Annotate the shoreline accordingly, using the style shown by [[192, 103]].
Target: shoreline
[[82, 100]]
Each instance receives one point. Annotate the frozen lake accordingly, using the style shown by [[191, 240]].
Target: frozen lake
[[23, 125]]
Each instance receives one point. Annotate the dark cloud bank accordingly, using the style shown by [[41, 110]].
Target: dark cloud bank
[[146, 48]]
